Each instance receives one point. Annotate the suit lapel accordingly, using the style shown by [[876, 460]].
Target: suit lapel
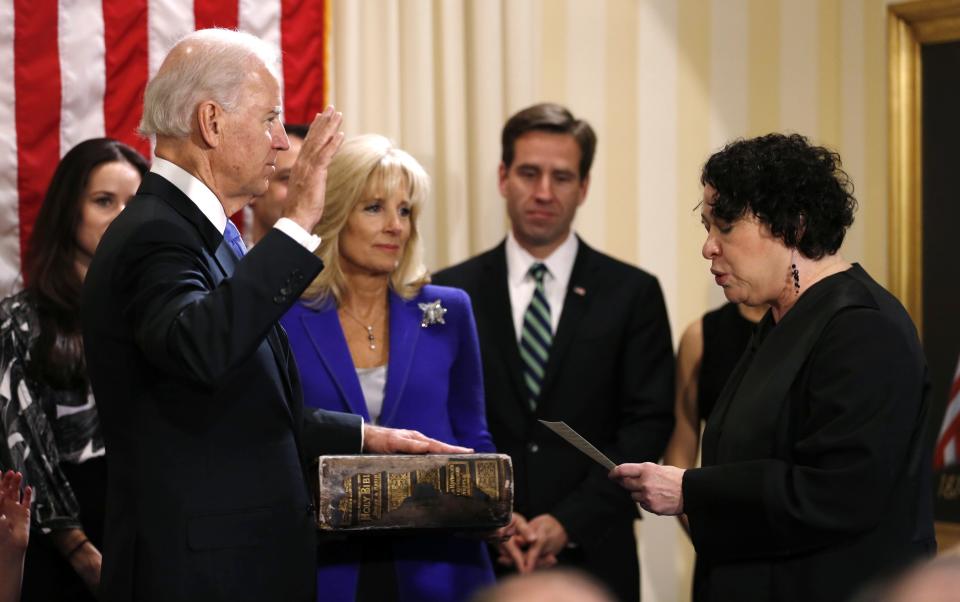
[[404, 334], [495, 297], [580, 290], [225, 259], [161, 188], [278, 348], [335, 357], [228, 263]]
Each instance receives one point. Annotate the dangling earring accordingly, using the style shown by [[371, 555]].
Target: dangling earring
[[796, 275]]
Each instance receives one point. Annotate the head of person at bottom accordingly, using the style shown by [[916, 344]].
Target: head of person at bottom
[[551, 585], [936, 580], [92, 184], [776, 209], [544, 174], [268, 207], [369, 234]]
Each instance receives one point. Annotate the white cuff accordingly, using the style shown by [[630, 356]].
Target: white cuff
[[292, 229]]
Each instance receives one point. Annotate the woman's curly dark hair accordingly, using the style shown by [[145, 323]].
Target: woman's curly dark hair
[[798, 190]]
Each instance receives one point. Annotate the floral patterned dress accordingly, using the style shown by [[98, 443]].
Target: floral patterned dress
[[42, 427]]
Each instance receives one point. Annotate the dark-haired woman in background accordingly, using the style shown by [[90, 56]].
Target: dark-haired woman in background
[[47, 414], [815, 478]]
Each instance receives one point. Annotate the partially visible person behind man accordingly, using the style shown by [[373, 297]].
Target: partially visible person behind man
[[268, 207], [566, 333], [199, 397], [554, 585]]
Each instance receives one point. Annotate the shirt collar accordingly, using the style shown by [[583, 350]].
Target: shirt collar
[[559, 263], [196, 191]]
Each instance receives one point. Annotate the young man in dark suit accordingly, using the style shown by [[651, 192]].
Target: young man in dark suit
[[197, 391], [566, 333]]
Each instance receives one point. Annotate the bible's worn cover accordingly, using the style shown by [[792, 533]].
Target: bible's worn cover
[[385, 492]]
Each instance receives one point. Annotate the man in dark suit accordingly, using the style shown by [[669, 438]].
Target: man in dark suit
[[197, 392], [583, 339]]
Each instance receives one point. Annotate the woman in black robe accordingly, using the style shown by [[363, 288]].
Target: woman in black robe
[[815, 478]]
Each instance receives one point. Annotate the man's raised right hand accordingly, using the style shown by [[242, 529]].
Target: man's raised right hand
[[308, 177]]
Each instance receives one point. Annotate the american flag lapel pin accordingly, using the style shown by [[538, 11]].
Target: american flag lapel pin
[[579, 290]]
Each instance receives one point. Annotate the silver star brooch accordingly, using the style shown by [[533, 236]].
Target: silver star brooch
[[432, 313]]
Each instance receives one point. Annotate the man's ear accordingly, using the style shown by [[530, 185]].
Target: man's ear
[[584, 187], [502, 173], [210, 122]]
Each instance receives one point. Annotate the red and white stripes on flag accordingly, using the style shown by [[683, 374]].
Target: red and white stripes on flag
[[76, 69], [948, 443]]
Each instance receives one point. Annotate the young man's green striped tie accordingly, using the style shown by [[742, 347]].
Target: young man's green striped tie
[[536, 337]]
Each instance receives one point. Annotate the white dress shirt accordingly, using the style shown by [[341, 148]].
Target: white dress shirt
[[521, 283], [210, 205]]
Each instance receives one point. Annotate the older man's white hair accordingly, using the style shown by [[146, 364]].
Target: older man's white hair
[[214, 69]]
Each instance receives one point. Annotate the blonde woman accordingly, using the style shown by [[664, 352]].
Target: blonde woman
[[371, 337]]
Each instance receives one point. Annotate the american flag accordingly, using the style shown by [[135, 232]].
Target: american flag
[[76, 69], [948, 443]]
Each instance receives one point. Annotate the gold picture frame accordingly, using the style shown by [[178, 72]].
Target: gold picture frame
[[910, 25]]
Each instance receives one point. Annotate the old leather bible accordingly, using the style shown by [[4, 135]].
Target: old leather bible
[[401, 492]]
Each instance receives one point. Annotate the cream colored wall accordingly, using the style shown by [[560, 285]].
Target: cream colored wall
[[664, 82]]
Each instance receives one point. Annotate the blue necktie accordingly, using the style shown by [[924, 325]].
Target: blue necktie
[[232, 236], [536, 336]]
